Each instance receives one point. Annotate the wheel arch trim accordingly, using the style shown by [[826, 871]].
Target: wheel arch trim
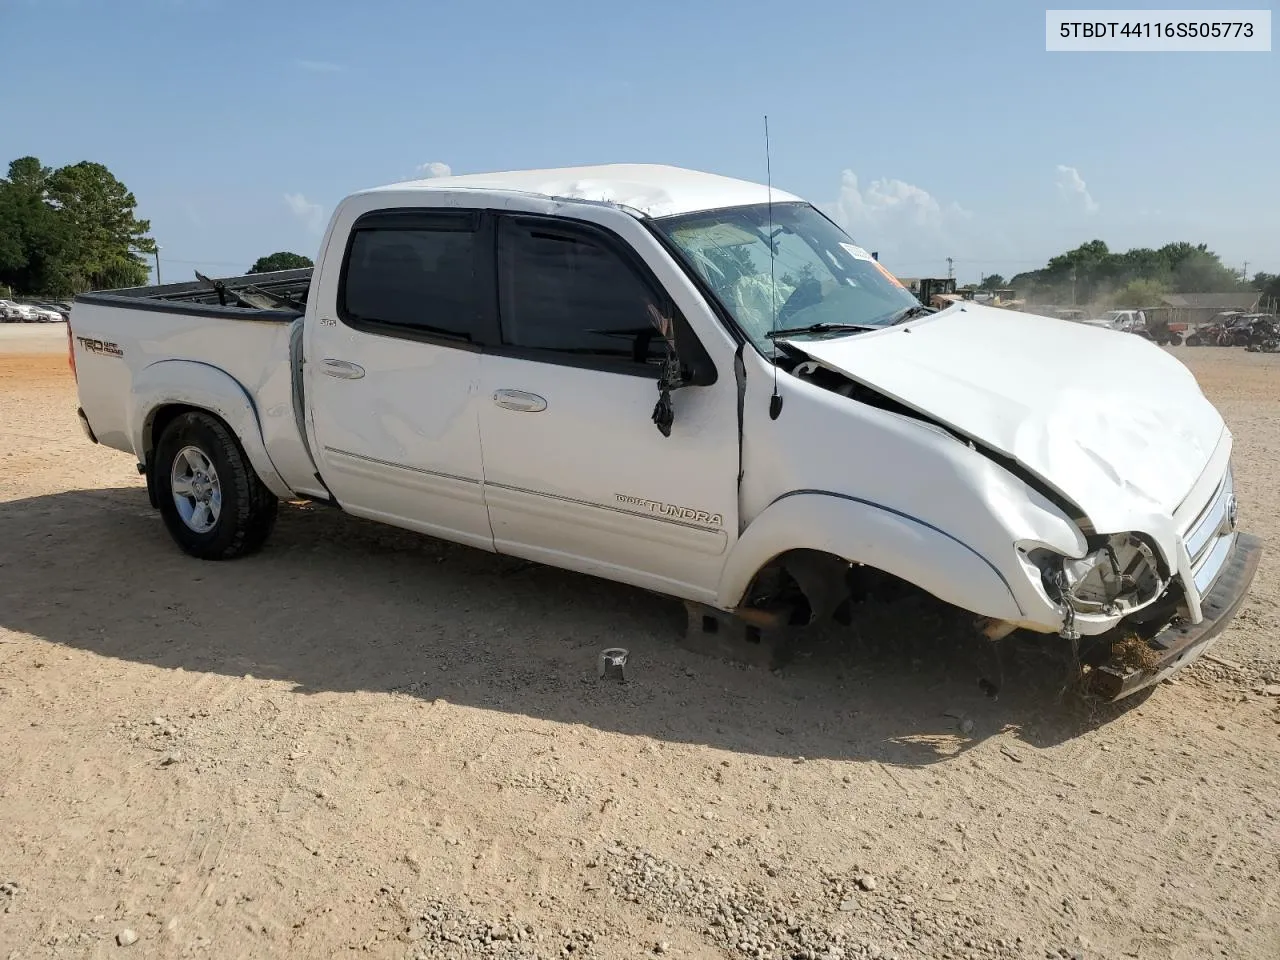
[[205, 388], [862, 531]]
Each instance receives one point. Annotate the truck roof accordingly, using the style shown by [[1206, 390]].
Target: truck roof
[[653, 189]]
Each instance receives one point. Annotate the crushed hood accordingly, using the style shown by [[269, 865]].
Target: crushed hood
[[1108, 419]]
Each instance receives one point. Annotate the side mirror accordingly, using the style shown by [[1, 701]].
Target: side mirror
[[696, 368], [687, 364]]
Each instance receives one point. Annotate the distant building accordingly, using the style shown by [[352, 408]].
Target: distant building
[[1193, 309]]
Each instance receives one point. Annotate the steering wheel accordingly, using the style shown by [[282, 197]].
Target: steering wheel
[[806, 294]]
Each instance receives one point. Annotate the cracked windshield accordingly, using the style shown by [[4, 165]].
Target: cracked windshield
[[792, 269]]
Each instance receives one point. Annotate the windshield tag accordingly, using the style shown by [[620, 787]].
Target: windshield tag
[[856, 252]]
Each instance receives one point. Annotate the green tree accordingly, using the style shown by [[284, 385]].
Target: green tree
[[1093, 273], [107, 238], [1137, 294], [68, 230], [34, 242], [992, 281], [1268, 284], [280, 261]]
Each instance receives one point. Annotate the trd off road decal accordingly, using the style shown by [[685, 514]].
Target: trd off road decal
[[103, 348], [671, 510]]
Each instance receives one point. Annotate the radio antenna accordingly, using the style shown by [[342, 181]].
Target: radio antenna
[[775, 401]]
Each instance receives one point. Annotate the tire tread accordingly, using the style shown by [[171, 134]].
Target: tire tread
[[254, 506]]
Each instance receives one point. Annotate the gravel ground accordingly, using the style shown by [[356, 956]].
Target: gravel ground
[[364, 740]]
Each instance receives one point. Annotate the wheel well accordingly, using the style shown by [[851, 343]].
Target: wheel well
[[805, 586]]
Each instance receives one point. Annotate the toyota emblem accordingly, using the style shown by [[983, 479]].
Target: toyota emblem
[[1232, 512]]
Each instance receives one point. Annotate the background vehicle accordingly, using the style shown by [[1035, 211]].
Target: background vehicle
[[1253, 329], [22, 312], [933, 287], [45, 314], [1232, 330], [705, 390], [1136, 322], [63, 310], [1127, 321]]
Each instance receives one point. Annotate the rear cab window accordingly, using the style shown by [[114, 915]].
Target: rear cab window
[[418, 274]]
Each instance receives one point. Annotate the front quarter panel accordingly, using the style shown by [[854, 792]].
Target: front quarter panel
[[895, 493], [904, 546]]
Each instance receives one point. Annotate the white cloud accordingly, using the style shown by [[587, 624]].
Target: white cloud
[[311, 214], [319, 66], [1072, 186], [909, 226], [434, 169]]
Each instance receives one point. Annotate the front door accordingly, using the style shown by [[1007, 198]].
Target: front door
[[393, 371], [576, 473]]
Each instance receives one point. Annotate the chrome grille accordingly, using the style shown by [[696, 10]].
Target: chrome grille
[[1208, 538]]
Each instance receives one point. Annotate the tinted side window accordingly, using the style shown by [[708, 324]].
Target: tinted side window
[[566, 291], [419, 277]]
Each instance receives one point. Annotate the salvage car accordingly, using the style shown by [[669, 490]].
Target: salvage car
[[1230, 330], [689, 383]]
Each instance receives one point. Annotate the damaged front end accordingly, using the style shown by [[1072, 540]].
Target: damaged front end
[[1156, 642], [1167, 617], [1121, 574], [1134, 605]]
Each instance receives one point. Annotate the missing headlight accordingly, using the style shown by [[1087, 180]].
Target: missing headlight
[[1119, 576]]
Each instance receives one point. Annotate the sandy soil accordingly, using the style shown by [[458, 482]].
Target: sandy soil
[[363, 740]]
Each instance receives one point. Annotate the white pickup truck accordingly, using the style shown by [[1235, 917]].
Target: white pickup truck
[[688, 383]]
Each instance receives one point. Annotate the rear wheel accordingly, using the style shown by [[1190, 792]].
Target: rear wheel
[[211, 499], [1175, 339]]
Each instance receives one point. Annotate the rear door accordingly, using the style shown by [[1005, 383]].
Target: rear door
[[393, 369], [576, 473]]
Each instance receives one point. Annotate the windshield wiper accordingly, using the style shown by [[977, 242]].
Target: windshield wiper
[[816, 328], [902, 316]]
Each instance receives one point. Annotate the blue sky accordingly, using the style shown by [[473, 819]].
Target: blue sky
[[930, 129]]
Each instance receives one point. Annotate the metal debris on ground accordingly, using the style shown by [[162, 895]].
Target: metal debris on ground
[[613, 663]]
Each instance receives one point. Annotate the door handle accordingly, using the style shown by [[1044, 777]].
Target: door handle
[[343, 369], [519, 401]]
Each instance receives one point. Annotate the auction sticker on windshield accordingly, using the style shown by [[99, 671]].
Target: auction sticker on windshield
[[858, 253]]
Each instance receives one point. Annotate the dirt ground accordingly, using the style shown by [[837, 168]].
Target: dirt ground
[[372, 742]]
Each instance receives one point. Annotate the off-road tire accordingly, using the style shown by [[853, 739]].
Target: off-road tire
[[248, 508]]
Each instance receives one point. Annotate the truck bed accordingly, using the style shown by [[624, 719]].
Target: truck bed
[[117, 335], [286, 283]]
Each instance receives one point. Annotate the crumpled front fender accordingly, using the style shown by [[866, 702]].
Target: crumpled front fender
[[873, 534]]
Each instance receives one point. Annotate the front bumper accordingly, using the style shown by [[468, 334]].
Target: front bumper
[[1182, 643]]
